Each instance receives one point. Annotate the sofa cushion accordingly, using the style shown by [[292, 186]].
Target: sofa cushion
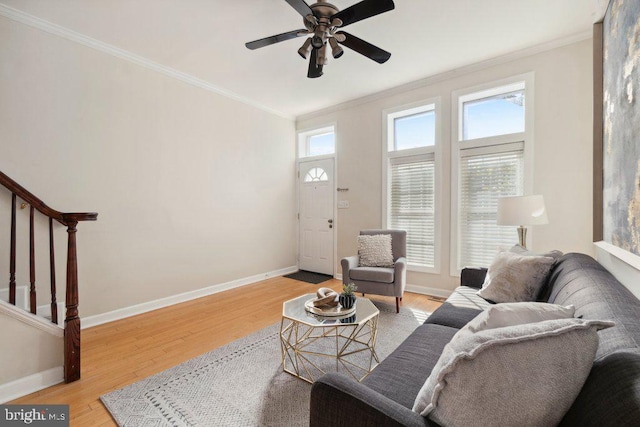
[[372, 274], [538, 369], [514, 277], [452, 316], [467, 297], [375, 250], [461, 306], [401, 375]]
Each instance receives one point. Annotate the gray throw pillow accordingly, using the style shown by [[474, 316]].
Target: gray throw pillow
[[517, 375], [517, 313], [375, 250], [515, 278]]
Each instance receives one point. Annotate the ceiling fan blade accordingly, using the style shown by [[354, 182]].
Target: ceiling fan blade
[[363, 10], [276, 39], [315, 70], [364, 48], [301, 7]]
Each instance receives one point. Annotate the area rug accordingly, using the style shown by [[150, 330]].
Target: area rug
[[309, 276], [239, 384]]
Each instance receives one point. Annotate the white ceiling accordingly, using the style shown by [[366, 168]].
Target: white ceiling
[[205, 38]]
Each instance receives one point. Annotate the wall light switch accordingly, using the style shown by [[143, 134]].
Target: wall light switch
[[343, 204]]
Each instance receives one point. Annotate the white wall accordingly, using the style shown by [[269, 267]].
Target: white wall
[[562, 152], [26, 350], [192, 189]]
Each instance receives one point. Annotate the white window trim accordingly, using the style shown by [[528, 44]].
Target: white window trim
[[388, 152], [489, 89], [302, 145]]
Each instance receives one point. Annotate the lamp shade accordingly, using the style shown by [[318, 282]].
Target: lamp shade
[[522, 210]]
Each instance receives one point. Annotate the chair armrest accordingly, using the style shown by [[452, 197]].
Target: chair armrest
[[337, 400], [347, 264], [400, 275], [473, 277], [401, 263]]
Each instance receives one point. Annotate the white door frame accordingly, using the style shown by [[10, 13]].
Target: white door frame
[[336, 267]]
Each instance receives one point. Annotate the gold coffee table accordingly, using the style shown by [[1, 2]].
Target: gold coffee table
[[314, 344]]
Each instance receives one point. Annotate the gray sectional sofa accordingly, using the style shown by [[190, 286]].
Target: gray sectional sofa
[[609, 397]]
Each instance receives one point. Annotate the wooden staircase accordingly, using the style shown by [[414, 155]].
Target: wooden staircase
[[69, 220]]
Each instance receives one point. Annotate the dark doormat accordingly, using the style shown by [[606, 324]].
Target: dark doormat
[[309, 277]]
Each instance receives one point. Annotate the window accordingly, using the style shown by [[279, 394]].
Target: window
[[315, 175], [317, 142], [413, 131], [410, 198], [483, 178], [489, 155], [412, 205], [494, 115]]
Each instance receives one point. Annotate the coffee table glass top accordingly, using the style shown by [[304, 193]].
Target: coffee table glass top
[[294, 309]]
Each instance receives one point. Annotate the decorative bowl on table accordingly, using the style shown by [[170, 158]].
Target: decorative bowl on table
[[325, 311]]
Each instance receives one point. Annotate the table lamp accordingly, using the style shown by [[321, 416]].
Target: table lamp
[[522, 211]]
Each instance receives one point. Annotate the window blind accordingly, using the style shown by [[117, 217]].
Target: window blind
[[483, 178], [412, 205]]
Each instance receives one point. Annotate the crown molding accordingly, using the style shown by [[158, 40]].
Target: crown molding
[[51, 28], [66, 33], [447, 75]]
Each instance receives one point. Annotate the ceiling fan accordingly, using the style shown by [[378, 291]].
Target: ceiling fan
[[323, 20]]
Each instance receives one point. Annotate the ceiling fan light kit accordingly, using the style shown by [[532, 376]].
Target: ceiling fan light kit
[[322, 21]]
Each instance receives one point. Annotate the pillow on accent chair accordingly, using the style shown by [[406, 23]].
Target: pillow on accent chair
[[375, 250], [525, 374], [515, 278]]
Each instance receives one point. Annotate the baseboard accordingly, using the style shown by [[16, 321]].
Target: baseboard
[[99, 319], [30, 384], [425, 290], [338, 277]]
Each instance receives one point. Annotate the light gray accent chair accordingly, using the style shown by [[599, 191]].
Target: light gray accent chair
[[380, 280]]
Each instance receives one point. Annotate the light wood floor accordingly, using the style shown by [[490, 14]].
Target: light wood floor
[[123, 352]]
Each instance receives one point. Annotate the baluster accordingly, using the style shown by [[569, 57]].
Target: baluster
[[52, 262], [12, 256], [32, 263], [72, 321]]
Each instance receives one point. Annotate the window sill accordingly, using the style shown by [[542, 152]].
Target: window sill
[[422, 269]]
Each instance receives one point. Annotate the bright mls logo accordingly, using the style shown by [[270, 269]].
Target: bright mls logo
[[38, 415]]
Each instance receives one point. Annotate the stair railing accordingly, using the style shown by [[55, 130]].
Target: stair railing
[[70, 220]]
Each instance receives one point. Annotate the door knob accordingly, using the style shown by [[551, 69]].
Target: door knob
[[330, 221]]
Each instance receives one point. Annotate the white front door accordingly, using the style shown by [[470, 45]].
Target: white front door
[[316, 192]]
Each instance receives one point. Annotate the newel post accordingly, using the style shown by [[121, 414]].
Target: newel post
[[72, 321]]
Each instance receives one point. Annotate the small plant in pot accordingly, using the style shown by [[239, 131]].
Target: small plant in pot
[[347, 297]]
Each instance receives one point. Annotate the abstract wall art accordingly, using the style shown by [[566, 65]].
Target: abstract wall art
[[621, 125]]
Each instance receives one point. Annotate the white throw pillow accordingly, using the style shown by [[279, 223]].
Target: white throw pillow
[[517, 375], [517, 313], [375, 250], [515, 278]]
